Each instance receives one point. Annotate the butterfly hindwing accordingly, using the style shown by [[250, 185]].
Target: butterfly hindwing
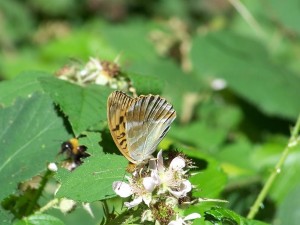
[[148, 119], [117, 105]]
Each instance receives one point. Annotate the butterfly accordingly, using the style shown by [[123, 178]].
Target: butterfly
[[138, 125]]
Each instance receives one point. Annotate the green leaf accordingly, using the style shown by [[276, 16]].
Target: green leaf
[[200, 134], [92, 142], [237, 157], [84, 106], [146, 84], [99, 172], [265, 158], [216, 114], [287, 13], [210, 180], [21, 86], [79, 214], [244, 64], [288, 178], [29, 130], [5, 217], [218, 215], [40, 219], [288, 211]]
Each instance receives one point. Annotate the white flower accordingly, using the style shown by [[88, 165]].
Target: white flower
[[122, 189], [52, 167], [87, 208], [218, 84], [66, 205], [171, 179], [184, 188], [147, 216], [141, 189], [183, 221]]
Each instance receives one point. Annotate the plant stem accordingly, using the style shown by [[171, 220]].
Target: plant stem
[[244, 12], [293, 141], [37, 195], [49, 205]]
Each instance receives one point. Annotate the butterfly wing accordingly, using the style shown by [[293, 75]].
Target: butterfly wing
[[148, 120], [117, 105]]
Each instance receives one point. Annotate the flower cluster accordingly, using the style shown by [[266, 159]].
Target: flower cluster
[[160, 188], [97, 72]]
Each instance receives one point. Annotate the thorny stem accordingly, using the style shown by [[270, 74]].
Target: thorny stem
[[293, 141]]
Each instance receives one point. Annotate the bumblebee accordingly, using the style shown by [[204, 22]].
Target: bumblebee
[[74, 151]]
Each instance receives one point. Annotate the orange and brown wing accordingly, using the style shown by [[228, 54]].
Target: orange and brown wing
[[117, 105]]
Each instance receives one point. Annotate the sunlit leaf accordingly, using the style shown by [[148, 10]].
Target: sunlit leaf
[[93, 180]]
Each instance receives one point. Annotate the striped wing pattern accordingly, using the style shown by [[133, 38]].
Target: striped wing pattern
[[117, 104], [138, 124], [148, 121]]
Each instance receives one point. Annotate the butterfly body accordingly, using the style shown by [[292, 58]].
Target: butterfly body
[[137, 125]]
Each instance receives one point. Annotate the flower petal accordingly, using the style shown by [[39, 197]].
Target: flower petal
[[185, 187], [178, 221], [149, 184], [160, 161], [147, 215], [122, 189], [147, 198], [192, 216], [133, 203], [177, 163]]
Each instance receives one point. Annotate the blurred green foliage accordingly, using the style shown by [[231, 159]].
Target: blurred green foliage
[[232, 74]]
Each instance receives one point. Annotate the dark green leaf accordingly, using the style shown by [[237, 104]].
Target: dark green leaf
[[84, 106], [21, 86], [29, 130], [217, 215]]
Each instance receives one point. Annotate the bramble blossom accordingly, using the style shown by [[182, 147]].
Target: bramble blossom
[[183, 221], [160, 187], [136, 187], [171, 179]]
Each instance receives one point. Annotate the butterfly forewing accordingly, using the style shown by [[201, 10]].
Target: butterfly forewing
[[148, 119], [117, 105]]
